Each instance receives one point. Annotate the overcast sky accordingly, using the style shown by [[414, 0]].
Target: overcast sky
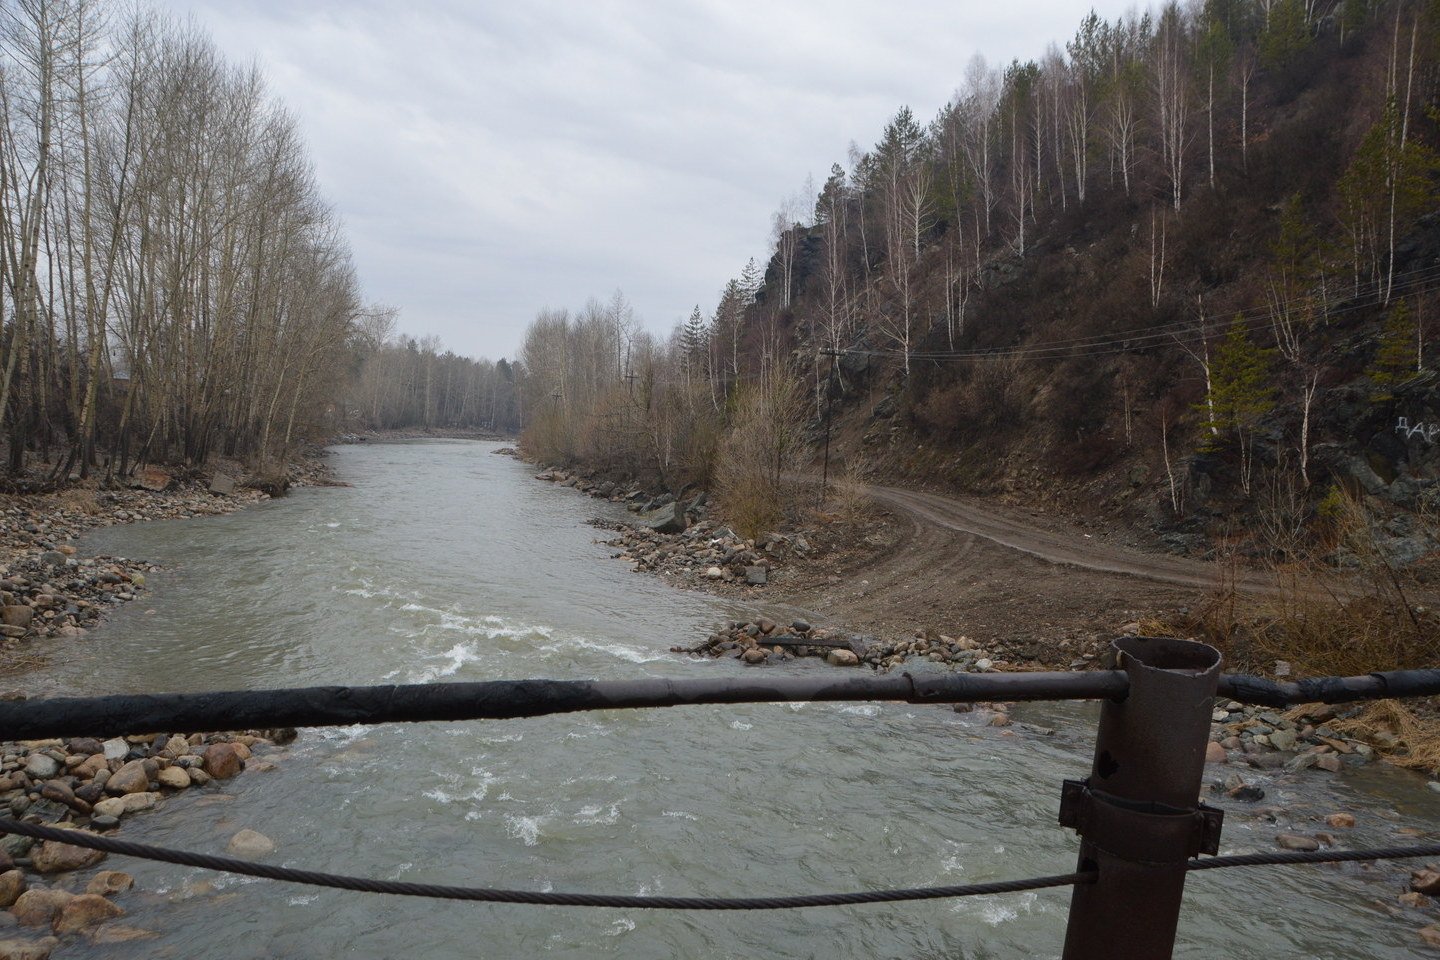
[[491, 159]]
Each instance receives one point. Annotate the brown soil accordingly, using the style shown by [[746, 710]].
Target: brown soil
[[1034, 589]]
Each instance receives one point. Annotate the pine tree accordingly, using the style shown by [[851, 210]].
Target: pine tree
[[1395, 361], [1240, 393]]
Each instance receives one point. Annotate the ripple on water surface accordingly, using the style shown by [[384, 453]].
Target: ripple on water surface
[[444, 563]]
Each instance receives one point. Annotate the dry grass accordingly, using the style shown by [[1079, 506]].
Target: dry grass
[[80, 500], [1328, 622], [849, 493], [1324, 621], [1415, 736]]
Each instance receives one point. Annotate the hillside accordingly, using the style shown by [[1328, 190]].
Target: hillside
[[1182, 274]]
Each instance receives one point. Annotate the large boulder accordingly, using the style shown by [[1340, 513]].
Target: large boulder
[[222, 484], [28, 949], [153, 479], [17, 615], [133, 777], [54, 857], [85, 911], [223, 760], [669, 519], [12, 885], [37, 908], [250, 844]]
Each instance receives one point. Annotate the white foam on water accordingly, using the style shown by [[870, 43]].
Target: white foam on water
[[451, 662], [680, 814], [862, 710], [457, 794], [524, 829], [303, 900], [622, 926], [997, 910], [332, 526], [342, 735], [618, 650], [593, 815], [741, 725]]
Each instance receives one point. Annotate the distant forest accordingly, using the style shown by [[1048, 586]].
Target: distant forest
[[172, 284], [1185, 256]]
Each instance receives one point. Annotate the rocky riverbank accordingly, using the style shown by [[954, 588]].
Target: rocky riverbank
[[675, 539], [47, 590], [51, 893]]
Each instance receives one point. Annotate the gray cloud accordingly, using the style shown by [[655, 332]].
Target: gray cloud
[[492, 159]]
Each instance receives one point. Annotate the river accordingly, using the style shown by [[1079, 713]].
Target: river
[[444, 562]]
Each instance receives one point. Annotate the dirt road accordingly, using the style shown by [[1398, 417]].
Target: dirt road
[[1069, 546], [1036, 588]]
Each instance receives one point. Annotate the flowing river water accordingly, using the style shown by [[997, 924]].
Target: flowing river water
[[444, 562]]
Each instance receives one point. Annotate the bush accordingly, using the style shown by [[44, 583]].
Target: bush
[[761, 446]]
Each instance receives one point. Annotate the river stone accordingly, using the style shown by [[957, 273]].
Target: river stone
[[842, 658], [1214, 753], [1329, 762], [116, 749], [222, 485], [86, 910], [90, 766], [1296, 841], [714, 573], [12, 884], [250, 844], [40, 766], [1425, 881], [36, 908], [1340, 821], [17, 615], [130, 778], [129, 803], [118, 933], [105, 821], [1282, 739], [54, 857], [107, 883], [60, 792], [176, 747], [223, 760], [175, 778], [28, 949], [757, 576]]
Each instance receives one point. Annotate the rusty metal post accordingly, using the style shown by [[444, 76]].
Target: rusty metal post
[[1138, 814]]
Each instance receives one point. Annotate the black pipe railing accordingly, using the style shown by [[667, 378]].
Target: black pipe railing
[[507, 699], [1139, 823]]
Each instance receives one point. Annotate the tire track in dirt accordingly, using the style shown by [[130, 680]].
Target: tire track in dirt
[[1071, 548]]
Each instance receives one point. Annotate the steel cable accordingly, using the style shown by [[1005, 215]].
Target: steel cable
[[534, 897], [1285, 858]]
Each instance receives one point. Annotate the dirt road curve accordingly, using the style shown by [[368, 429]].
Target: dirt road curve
[[1072, 547], [1036, 587]]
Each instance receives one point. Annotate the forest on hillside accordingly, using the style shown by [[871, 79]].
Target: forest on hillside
[[172, 283], [1185, 260]]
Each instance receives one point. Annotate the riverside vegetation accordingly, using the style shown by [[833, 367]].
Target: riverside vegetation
[[1176, 279]]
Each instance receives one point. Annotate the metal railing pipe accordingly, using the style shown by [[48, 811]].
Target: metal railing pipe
[[1137, 813]]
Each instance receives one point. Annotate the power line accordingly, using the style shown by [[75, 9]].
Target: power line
[[1180, 332]]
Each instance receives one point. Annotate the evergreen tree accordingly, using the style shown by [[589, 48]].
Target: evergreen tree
[[1241, 392], [1395, 361]]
